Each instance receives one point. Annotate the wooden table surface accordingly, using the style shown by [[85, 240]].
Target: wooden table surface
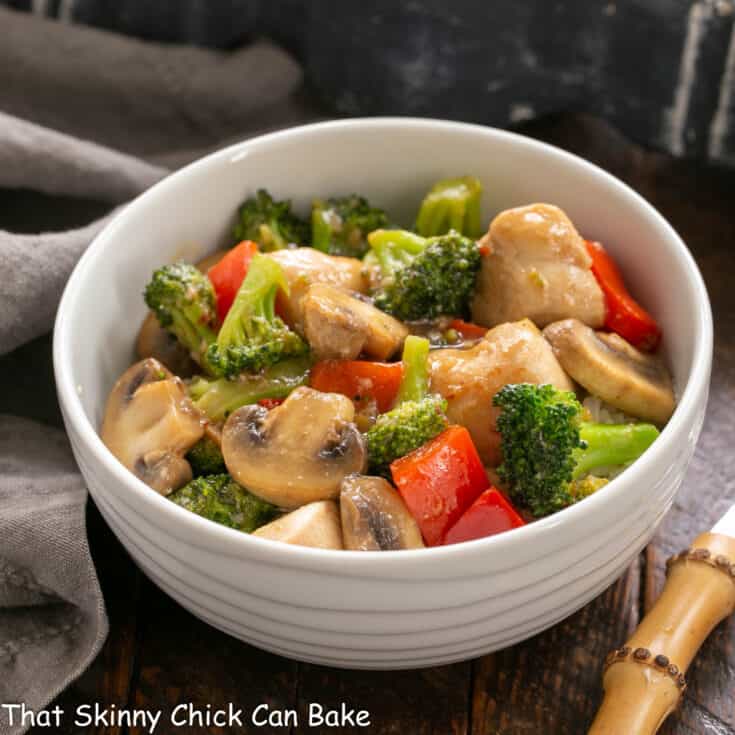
[[158, 655]]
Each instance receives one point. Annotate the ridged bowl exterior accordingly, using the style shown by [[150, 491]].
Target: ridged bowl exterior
[[393, 609]]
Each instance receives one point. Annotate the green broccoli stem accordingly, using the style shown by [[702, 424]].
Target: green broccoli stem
[[195, 335], [611, 445], [451, 204], [253, 337], [416, 416], [394, 248], [191, 332], [217, 399], [403, 239], [321, 230], [415, 381], [256, 296]]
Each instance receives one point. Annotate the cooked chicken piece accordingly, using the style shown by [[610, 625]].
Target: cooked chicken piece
[[316, 524], [468, 379], [304, 266], [340, 326], [536, 267]]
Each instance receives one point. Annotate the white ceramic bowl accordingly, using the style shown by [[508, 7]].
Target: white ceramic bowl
[[378, 609]]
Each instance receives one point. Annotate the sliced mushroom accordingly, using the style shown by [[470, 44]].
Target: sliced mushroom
[[315, 524], [469, 378], [339, 326], [305, 266], [536, 266], [613, 370], [154, 341], [297, 452], [150, 423], [374, 516], [163, 470]]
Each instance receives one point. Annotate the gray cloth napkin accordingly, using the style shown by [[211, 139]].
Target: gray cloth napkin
[[52, 617], [39, 265], [66, 93]]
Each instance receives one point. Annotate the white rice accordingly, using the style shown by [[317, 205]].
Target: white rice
[[603, 413]]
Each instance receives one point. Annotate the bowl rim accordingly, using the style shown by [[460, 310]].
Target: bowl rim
[[202, 533]]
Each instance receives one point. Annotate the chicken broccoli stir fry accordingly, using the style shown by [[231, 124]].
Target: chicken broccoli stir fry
[[335, 381]]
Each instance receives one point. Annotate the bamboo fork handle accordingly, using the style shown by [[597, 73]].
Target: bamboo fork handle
[[644, 680]]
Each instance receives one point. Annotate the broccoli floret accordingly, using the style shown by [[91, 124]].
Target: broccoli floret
[[451, 204], [548, 451], [341, 226], [205, 458], [252, 337], [271, 224], [423, 278], [417, 417], [217, 399], [220, 499], [585, 486], [183, 300]]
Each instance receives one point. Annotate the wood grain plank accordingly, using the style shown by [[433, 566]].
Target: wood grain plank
[[420, 702], [550, 684], [183, 660]]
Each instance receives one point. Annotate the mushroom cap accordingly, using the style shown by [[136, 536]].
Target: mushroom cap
[[315, 524], [163, 470], [150, 423], [374, 516], [296, 453], [609, 367]]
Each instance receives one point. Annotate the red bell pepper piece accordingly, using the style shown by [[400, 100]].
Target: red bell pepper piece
[[227, 275], [624, 315], [360, 380], [491, 513], [270, 403], [467, 330], [439, 481]]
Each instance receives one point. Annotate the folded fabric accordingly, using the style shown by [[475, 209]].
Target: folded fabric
[[66, 94], [38, 266], [142, 98], [52, 618]]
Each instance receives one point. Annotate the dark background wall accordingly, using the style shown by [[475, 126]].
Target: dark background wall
[[663, 71]]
